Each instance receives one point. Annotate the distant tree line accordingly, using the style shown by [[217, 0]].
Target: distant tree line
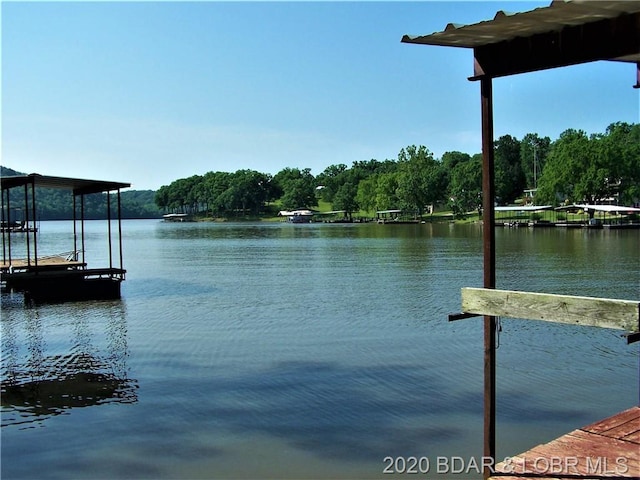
[[575, 168], [57, 204]]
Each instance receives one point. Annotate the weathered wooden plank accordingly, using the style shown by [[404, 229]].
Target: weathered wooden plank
[[577, 454], [618, 426], [597, 312], [633, 437], [599, 450]]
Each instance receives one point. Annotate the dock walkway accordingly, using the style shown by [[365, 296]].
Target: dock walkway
[[42, 263], [609, 448]]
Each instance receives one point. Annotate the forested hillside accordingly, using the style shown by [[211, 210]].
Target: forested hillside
[[54, 204], [574, 168]]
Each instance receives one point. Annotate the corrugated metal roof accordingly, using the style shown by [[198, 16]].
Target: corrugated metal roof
[[507, 26], [78, 185]]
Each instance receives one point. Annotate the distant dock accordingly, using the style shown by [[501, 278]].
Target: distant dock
[[614, 217], [17, 227], [177, 217]]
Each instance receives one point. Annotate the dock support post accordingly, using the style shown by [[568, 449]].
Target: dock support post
[[33, 207], [9, 223], [109, 228], [75, 230], [82, 225], [4, 229], [120, 229], [489, 270], [25, 218]]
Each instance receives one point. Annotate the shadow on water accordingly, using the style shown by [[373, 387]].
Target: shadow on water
[[37, 383], [348, 413]]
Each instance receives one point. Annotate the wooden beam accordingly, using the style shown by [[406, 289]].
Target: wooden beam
[[596, 312]]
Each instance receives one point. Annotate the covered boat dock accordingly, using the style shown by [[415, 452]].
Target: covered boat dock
[[562, 34], [59, 276], [608, 216]]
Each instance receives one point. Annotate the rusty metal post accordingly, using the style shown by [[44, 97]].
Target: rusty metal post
[[120, 228], [82, 226], [25, 219], [489, 251], [5, 229], [9, 223], [75, 230], [109, 228], [35, 233]]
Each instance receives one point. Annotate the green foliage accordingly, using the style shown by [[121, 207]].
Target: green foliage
[[298, 188], [587, 169], [345, 198], [331, 179], [510, 180], [366, 193], [533, 155], [421, 179], [386, 192], [575, 167], [621, 147], [465, 185]]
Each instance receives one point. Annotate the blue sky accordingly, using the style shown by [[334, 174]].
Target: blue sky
[[149, 92]]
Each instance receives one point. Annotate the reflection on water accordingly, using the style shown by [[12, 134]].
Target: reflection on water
[[45, 374]]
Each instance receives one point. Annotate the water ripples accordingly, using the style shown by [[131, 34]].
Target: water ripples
[[330, 342]]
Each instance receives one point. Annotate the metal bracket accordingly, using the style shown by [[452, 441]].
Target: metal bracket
[[462, 316]]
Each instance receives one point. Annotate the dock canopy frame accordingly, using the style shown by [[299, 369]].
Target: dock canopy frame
[[562, 34], [565, 33], [77, 185]]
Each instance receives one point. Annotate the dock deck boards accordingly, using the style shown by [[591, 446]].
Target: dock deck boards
[[609, 448], [43, 263]]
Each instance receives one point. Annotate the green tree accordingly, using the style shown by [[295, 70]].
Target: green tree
[[366, 193], [215, 184], [248, 190], [576, 170], [465, 187], [533, 154], [346, 199], [510, 181], [298, 187], [449, 160], [386, 192], [621, 147], [331, 179], [421, 180], [365, 168], [162, 197]]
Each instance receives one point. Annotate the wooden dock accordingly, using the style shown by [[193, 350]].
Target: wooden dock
[[609, 448], [52, 262]]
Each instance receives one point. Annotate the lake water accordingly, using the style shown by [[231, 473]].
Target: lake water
[[271, 350]]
